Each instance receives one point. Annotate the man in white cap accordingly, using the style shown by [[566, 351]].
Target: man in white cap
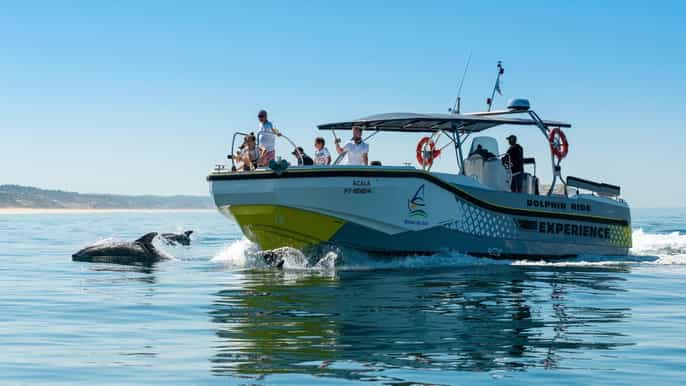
[[266, 132]]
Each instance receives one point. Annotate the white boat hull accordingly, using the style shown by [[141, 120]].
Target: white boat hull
[[396, 210]]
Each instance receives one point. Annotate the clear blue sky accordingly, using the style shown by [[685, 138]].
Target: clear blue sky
[[142, 97]]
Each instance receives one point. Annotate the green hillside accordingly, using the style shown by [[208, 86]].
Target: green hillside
[[16, 196]]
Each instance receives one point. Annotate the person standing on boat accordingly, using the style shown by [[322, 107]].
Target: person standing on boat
[[266, 134], [515, 157], [356, 150]]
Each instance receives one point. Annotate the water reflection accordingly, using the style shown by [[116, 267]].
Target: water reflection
[[129, 272], [356, 324]]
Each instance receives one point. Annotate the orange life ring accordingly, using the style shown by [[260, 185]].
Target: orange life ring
[[558, 143], [433, 153]]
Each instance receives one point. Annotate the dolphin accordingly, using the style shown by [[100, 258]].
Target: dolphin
[[273, 258], [122, 252], [312, 258], [174, 238]]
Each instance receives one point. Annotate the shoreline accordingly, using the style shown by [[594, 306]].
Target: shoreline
[[22, 211]]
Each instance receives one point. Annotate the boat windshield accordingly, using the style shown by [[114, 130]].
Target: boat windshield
[[487, 143]]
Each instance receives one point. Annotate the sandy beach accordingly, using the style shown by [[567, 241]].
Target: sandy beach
[[24, 211]]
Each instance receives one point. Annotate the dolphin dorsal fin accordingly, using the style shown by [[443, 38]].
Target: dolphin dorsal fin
[[146, 239], [188, 233]]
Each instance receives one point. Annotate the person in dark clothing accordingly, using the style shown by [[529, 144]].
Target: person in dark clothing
[[304, 159], [515, 157]]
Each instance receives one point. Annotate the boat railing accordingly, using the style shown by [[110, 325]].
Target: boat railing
[[340, 158], [232, 155], [295, 148], [600, 188]]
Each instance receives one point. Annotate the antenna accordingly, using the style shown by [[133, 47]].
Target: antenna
[[496, 87], [456, 105]]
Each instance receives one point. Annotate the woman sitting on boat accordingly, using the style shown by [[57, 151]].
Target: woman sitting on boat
[[248, 154]]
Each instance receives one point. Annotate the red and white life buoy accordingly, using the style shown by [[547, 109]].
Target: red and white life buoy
[[558, 143], [427, 152]]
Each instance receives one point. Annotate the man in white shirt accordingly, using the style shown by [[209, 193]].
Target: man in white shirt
[[356, 150], [266, 133]]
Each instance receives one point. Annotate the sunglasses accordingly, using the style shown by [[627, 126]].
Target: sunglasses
[[261, 116]]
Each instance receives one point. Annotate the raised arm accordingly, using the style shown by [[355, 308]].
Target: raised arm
[[339, 149]]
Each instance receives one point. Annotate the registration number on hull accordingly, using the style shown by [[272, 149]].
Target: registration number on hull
[[359, 186]]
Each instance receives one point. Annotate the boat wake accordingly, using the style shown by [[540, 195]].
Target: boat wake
[[668, 248], [246, 254], [648, 248]]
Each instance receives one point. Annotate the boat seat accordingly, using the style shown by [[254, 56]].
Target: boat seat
[[490, 172], [473, 166], [483, 164], [375, 163]]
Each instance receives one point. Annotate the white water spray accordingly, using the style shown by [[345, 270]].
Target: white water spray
[[648, 248], [669, 248]]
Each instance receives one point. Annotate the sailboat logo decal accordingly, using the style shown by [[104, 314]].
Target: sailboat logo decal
[[416, 204]]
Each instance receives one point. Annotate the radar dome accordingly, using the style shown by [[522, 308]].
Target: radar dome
[[518, 104]]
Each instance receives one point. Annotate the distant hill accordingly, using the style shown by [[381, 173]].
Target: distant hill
[[16, 196]]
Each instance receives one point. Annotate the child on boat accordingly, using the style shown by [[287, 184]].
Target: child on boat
[[321, 153]]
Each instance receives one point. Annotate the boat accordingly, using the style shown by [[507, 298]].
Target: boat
[[408, 210]]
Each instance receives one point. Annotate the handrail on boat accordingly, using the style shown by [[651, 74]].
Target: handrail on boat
[[233, 146], [242, 134], [295, 148]]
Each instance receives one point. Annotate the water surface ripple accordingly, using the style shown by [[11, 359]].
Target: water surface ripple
[[214, 315]]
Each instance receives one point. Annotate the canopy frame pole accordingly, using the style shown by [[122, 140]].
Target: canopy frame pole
[[458, 149], [451, 139], [557, 170], [376, 131]]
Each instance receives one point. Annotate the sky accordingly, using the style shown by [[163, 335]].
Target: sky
[[139, 97]]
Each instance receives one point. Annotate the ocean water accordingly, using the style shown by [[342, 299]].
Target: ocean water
[[215, 315]]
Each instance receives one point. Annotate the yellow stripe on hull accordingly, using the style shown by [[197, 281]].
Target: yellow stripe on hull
[[272, 226]]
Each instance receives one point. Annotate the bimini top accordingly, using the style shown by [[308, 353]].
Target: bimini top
[[416, 123]]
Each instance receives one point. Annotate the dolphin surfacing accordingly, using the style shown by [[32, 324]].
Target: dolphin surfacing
[[273, 258], [140, 251], [174, 238], [277, 258]]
